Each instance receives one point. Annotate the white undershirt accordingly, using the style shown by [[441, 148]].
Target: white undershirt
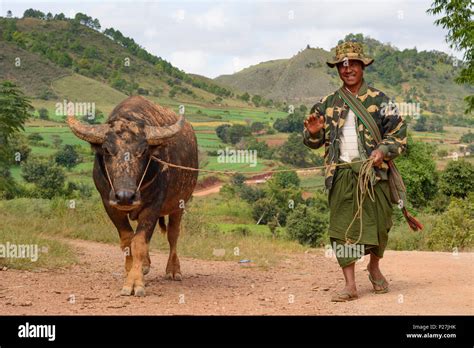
[[348, 146]]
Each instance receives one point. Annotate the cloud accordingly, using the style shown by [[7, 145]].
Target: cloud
[[218, 37], [212, 19], [192, 61], [179, 15]]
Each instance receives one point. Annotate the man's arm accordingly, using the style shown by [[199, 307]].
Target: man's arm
[[394, 138]]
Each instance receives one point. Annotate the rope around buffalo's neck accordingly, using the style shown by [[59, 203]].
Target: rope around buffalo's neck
[[364, 186], [232, 172], [141, 180]]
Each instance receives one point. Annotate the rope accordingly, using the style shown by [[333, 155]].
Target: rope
[[141, 180], [364, 189], [108, 176], [232, 172], [144, 173]]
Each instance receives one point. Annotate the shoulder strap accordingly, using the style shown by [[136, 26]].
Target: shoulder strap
[[361, 112], [397, 187]]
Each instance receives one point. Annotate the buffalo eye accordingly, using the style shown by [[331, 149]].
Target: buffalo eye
[[141, 150], [107, 151]]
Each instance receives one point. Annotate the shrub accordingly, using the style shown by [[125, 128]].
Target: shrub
[[48, 177], [457, 179], [418, 170], [307, 225], [251, 194], [67, 157], [455, 227], [35, 137], [241, 231], [43, 114], [264, 210]]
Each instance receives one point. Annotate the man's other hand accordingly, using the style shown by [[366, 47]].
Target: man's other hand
[[378, 156], [314, 123]]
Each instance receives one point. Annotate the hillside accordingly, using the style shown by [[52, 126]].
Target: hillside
[[408, 76], [51, 49], [299, 78], [33, 73]]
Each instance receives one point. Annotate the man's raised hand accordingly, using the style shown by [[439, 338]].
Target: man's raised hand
[[314, 123]]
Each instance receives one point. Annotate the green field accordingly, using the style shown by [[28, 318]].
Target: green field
[[204, 122]]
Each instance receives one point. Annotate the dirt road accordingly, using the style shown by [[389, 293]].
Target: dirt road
[[421, 283]]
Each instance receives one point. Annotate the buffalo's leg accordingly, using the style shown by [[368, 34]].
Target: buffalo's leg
[[135, 282], [173, 270], [125, 230]]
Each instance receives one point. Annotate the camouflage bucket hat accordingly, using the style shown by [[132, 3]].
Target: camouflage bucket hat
[[350, 50]]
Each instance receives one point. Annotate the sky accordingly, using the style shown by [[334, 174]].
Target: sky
[[212, 38]]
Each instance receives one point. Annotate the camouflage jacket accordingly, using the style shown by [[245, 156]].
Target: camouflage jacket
[[391, 125]]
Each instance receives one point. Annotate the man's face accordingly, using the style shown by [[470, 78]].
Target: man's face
[[351, 72]]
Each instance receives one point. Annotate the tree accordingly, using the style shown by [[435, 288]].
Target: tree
[[435, 124], [457, 179], [238, 179], [282, 194], [245, 97], [262, 148], [20, 150], [256, 100], [467, 138], [33, 14], [285, 180], [458, 21], [455, 227], [67, 157], [418, 169], [60, 17], [237, 132], [420, 125], [43, 114], [294, 153], [48, 177], [15, 109], [257, 127], [221, 132], [294, 122]]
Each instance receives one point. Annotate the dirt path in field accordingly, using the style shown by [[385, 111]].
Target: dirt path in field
[[421, 283], [215, 188]]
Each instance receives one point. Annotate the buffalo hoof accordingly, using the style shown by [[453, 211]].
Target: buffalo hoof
[[139, 291], [145, 270], [126, 291], [176, 276]]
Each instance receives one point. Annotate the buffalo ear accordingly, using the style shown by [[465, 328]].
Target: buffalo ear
[[97, 148]]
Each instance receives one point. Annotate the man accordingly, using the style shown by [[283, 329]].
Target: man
[[348, 142]]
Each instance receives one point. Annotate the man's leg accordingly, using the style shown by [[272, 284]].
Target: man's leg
[[349, 276], [350, 290], [374, 271]]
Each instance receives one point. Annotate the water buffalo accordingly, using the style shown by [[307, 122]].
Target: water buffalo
[[135, 187]]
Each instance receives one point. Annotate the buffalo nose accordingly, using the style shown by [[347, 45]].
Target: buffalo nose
[[125, 197]]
